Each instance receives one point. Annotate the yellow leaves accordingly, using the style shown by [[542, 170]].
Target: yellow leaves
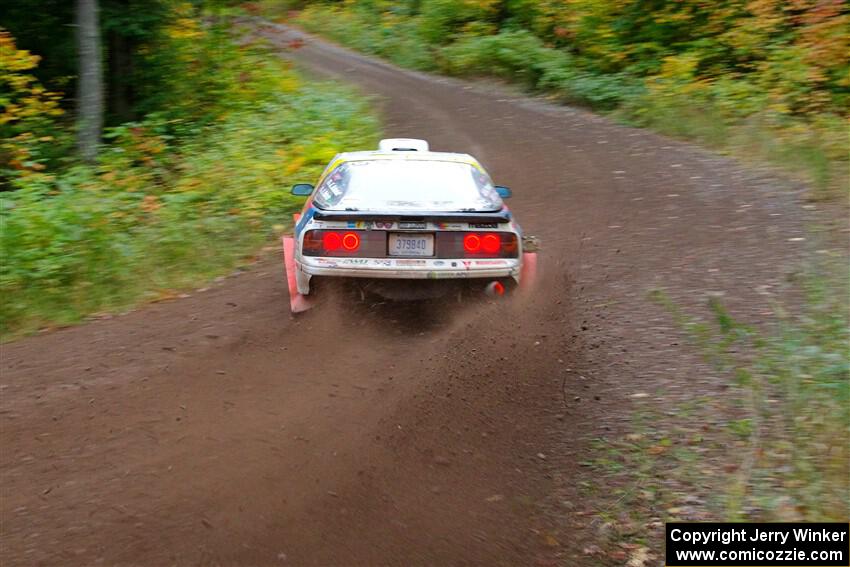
[[185, 28], [13, 60], [478, 28], [26, 108], [826, 40], [150, 203], [288, 83], [768, 14], [10, 113], [678, 17], [678, 76], [679, 67], [18, 152], [294, 165], [483, 5], [189, 183], [150, 146], [185, 32], [779, 106]]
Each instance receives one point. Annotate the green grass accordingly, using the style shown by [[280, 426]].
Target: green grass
[[812, 149], [788, 402], [772, 445], [171, 203]]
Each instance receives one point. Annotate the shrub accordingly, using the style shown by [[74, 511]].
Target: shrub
[[161, 211], [387, 33], [519, 56]]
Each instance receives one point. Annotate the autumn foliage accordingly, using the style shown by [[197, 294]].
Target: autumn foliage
[[184, 194], [27, 110], [768, 79]]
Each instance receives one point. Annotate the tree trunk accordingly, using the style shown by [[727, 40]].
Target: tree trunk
[[90, 83]]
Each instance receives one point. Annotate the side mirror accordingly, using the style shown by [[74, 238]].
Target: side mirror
[[504, 192], [302, 189]]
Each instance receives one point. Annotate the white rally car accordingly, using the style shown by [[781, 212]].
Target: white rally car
[[404, 222]]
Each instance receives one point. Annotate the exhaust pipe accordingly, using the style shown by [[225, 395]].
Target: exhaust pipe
[[495, 289]]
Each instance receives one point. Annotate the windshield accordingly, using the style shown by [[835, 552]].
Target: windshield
[[407, 185]]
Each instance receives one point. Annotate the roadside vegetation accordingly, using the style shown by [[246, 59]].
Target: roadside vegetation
[[787, 403], [192, 173], [769, 442], [766, 80]]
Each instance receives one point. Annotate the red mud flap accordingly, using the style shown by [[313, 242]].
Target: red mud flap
[[528, 273], [297, 302]]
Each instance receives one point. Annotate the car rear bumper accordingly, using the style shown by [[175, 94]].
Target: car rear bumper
[[404, 268]]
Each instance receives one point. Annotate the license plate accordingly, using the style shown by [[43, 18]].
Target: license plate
[[411, 244]]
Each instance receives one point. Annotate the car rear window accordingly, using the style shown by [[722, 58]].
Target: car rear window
[[407, 185]]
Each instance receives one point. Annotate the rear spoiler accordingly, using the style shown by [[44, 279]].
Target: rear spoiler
[[502, 216]]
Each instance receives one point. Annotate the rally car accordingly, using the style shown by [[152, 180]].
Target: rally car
[[404, 222]]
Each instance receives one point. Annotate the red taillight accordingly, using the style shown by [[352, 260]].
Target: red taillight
[[491, 243], [350, 241], [339, 243], [472, 243], [331, 241]]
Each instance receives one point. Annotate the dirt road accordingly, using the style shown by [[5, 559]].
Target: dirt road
[[216, 430]]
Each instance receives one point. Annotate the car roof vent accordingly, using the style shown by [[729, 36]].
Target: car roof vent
[[402, 145]]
